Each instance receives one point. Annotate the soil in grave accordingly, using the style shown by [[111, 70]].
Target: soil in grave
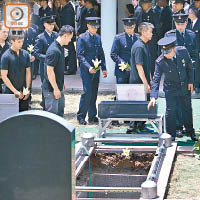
[[107, 163]]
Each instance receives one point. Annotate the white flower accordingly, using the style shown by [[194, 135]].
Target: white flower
[[123, 66], [25, 91], [66, 52], [96, 63], [126, 152], [30, 48]]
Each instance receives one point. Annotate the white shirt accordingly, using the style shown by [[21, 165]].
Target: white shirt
[[194, 22]]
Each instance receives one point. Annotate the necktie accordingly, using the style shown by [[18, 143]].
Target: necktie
[[131, 38]]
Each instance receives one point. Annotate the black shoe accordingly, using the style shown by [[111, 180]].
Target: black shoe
[[126, 122], [82, 122], [131, 130], [115, 123], [179, 133], [69, 73], [93, 120]]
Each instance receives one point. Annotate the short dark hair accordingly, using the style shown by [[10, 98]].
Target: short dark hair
[[194, 10], [144, 26], [130, 8], [16, 34], [93, 2], [66, 29]]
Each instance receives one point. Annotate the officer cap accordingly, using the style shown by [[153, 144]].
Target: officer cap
[[129, 22], [167, 44], [93, 21], [16, 33], [49, 19], [180, 18], [145, 1], [179, 1]]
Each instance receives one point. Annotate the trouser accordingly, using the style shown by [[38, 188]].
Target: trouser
[[123, 78], [186, 108], [197, 76], [23, 105], [72, 61], [53, 105], [89, 96]]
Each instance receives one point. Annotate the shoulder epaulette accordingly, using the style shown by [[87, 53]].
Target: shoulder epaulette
[[181, 47], [171, 31], [159, 58]]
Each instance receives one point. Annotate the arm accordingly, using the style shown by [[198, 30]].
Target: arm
[[155, 85], [38, 50], [114, 54], [142, 77], [81, 54], [28, 81], [8, 83], [52, 79], [102, 58]]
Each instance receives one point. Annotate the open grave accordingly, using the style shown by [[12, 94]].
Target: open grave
[[123, 172]]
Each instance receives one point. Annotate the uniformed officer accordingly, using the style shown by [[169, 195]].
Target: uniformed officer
[[43, 41], [45, 10], [149, 15], [67, 17], [91, 56], [121, 50], [176, 65], [185, 38], [15, 69], [194, 25], [177, 8], [165, 18]]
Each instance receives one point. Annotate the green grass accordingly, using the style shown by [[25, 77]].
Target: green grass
[[185, 181]]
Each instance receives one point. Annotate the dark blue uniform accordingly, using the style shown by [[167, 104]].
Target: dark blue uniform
[[196, 30], [67, 17], [121, 52], [152, 17], [178, 74], [81, 25], [165, 21], [45, 12], [89, 48], [35, 19], [188, 40]]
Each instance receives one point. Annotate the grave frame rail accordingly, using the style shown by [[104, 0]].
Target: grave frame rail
[[158, 124]]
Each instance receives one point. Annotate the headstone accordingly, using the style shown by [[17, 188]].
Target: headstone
[[9, 105], [35, 157], [130, 92]]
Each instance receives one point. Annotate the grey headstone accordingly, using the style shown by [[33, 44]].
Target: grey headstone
[[35, 157]]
